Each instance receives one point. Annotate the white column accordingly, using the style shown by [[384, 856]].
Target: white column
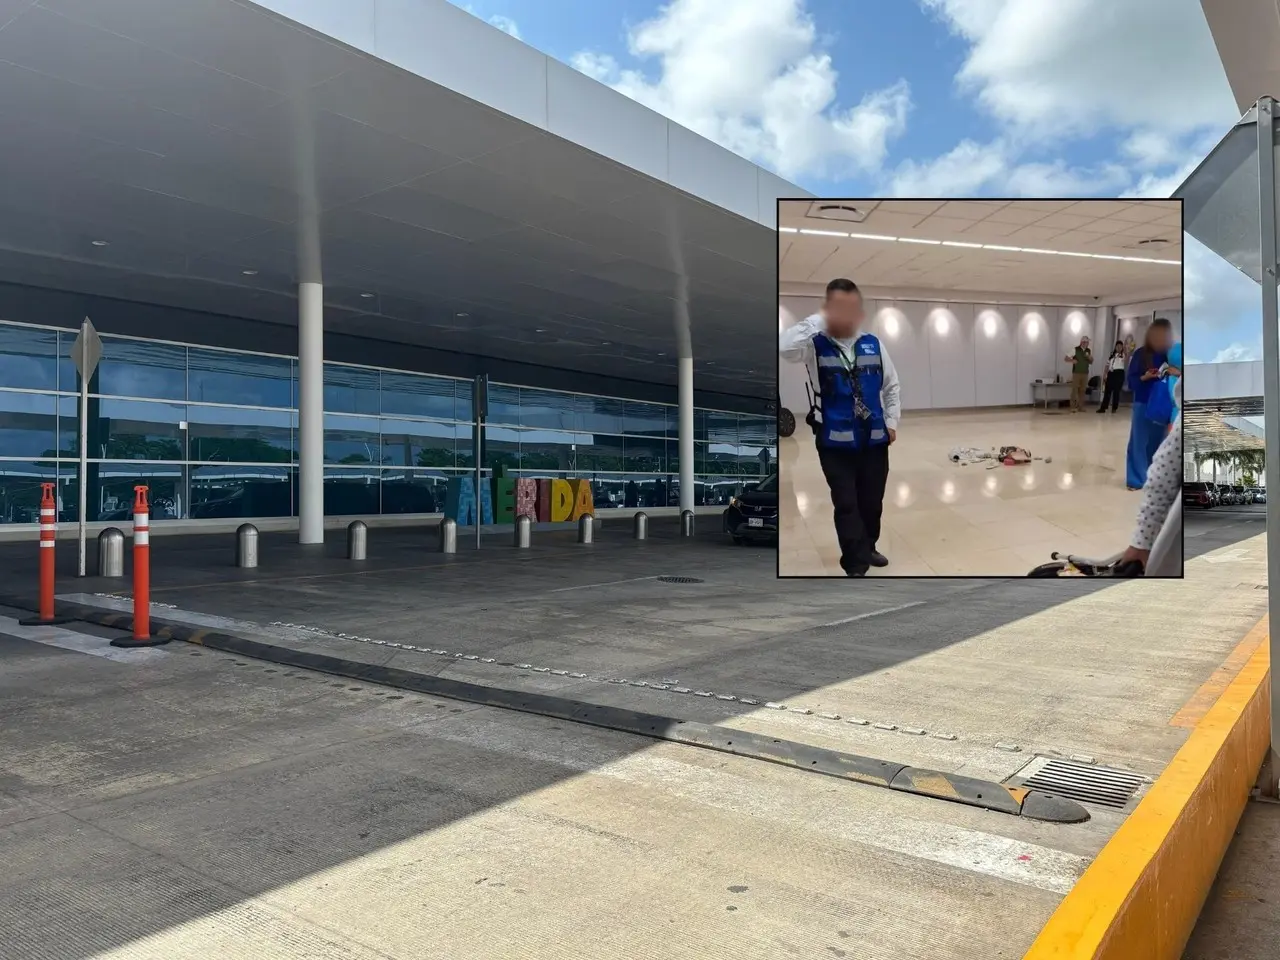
[[686, 433], [310, 413]]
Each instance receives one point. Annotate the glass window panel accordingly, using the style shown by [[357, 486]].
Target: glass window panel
[[413, 395], [351, 390], [722, 428], [20, 491], [645, 454], [599, 415], [220, 376], [228, 492], [351, 440], [756, 431], [413, 491], [351, 492], [130, 368], [699, 456], [28, 424], [600, 453], [715, 490], [504, 405], [552, 452], [420, 443], [135, 430], [29, 358], [645, 419], [111, 488], [547, 409], [502, 448], [240, 435]]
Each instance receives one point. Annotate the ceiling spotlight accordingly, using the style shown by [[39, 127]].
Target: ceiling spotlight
[[101, 243], [250, 273], [540, 330], [463, 315], [367, 296]]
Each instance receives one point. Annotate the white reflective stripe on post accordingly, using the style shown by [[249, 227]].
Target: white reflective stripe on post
[[46, 543], [48, 528], [47, 512], [140, 519], [141, 538]]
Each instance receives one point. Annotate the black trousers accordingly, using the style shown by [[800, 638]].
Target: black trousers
[[857, 480], [1111, 390]]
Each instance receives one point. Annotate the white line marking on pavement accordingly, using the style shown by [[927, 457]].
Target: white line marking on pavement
[[78, 642], [875, 613], [304, 632]]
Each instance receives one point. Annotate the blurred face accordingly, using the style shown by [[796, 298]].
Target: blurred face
[[1160, 339], [844, 313], [1084, 342]]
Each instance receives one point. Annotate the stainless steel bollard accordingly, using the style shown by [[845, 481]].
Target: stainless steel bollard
[[524, 532], [246, 546], [357, 540], [686, 523], [111, 553], [448, 535], [586, 528], [640, 526]]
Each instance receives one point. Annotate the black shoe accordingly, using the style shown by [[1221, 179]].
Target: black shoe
[[878, 559], [855, 571], [1102, 409]]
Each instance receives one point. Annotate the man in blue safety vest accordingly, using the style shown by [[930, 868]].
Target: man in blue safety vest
[[853, 410]]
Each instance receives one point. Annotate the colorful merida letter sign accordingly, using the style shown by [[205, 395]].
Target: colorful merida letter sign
[[546, 501]]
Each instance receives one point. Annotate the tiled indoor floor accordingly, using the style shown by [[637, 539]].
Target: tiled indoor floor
[[944, 519]]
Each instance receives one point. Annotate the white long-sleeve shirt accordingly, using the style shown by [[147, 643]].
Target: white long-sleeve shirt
[[796, 345]]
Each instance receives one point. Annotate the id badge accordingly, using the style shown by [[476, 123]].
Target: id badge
[[860, 409]]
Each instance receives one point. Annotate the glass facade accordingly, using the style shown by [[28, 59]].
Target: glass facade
[[213, 433]]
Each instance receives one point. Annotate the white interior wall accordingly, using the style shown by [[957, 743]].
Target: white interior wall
[[957, 355]]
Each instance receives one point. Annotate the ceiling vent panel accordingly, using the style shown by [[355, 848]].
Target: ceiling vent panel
[[841, 211]]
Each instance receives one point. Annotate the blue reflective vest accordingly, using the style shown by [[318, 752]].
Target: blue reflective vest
[[842, 382]]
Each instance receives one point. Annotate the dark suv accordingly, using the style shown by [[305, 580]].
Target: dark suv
[[753, 514], [1197, 494]]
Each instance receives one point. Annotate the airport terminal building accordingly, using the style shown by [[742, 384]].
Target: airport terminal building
[[303, 229]]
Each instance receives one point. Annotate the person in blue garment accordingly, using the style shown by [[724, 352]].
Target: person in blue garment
[[1148, 371], [1174, 377]]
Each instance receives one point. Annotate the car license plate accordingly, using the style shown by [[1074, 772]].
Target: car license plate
[[755, 521]]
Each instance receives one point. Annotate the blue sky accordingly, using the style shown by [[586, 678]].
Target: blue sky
[[1047, 98]]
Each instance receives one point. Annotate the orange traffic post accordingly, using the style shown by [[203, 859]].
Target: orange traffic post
[[48, 571], [141, 576]]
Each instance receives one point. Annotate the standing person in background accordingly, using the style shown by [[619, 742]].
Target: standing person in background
[[1147, 371], [1080, 362], [853, 411], [1114, 378]]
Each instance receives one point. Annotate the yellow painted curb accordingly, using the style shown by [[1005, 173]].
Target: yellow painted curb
[[1140, 897]]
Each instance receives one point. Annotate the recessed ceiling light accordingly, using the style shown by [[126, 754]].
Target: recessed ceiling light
[[540, 330], [957, 243], [872, 236], [604, 343], [918, 240], [824, 233], [250, 273], [982, 246], [788, 230], [367, 296], [101, 243], [464, 315]]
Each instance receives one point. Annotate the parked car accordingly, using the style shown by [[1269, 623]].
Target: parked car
[[1257, 495], [1225, 497], [753, 514], [1242, 494], [1198, 494]]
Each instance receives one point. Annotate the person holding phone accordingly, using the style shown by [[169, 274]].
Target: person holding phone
[[1080, 362], [854, 410], [1147, 429], [1114, 378]]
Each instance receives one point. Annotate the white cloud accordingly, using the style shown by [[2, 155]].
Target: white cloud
[[1081, 66], [1236, 352], [506, 25], [972, 169], [757, 82]]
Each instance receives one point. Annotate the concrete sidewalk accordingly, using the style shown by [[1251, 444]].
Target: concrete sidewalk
[[194, 802]]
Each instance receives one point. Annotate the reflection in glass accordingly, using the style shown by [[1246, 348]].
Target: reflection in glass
[[599, 415], [502, 448], [28, 358], [504, 405], [351, 440], [644, 454], [20, 490], [221, 376], [227, 492], [646, 419], [417, 395], [547, 409], [351, 492], [351, 390], [600, 454], [240, 435], [115, 494], [28, 425], [137, 430], [420, 443], [552, 453], [131, 368], [413, 491]]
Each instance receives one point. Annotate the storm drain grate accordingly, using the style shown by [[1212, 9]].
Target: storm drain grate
[[679, 580], [1087, 783]]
